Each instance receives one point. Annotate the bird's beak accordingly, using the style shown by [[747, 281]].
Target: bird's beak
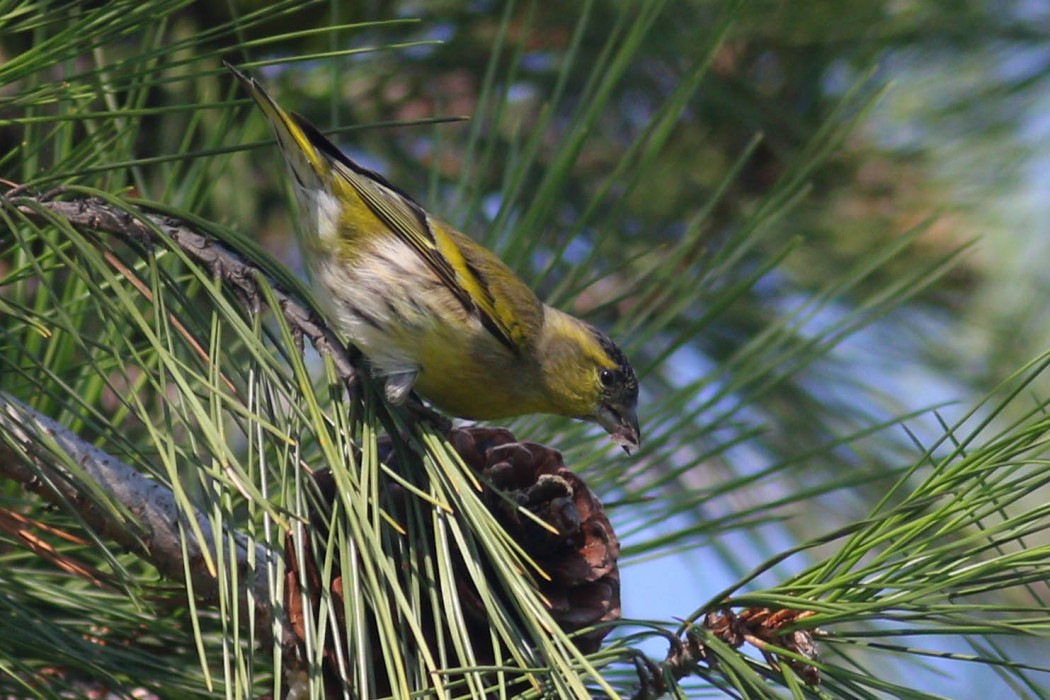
[[622, 426]]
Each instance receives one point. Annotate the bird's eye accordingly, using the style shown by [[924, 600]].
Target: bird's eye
[[607, 377]]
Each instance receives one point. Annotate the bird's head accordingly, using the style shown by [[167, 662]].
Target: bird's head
[[590, 378]]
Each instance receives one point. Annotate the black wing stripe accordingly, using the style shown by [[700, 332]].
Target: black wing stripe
[[447, 274], [441, 267], [487, 321]]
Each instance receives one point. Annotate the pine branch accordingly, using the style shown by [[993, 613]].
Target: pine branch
[[38, 452], [148, 228], [769, 630]]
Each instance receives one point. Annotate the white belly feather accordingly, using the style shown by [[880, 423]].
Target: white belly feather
[[386, 300]]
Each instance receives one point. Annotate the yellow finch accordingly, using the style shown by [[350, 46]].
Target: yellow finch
[[434, 311]]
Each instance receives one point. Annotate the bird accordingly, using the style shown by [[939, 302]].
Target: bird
[[432, 310]]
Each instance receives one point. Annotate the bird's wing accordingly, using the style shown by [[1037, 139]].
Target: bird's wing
[[432, 242], [462, 269]]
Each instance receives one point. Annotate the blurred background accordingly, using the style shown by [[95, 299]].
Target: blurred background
[[947, 147], [818, 228]]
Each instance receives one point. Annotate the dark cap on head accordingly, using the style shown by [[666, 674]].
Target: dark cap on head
[[618, 412]]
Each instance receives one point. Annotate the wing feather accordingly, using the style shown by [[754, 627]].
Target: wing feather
[[471, 273]]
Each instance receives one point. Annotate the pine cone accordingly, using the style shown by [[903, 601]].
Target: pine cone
[[581, 559]]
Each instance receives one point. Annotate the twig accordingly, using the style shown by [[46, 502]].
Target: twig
[[764, 628]]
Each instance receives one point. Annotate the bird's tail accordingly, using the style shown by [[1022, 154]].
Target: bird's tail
[[295, 137]]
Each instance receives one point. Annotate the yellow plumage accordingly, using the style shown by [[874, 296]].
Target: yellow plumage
[[434, 311]]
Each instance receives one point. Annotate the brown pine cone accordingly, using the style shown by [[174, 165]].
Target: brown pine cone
[[581, 559]]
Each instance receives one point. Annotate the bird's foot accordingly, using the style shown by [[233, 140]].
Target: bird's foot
[[398, 390], [398, 386]]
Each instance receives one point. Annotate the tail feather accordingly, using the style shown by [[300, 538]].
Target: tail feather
[[305, 160]]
